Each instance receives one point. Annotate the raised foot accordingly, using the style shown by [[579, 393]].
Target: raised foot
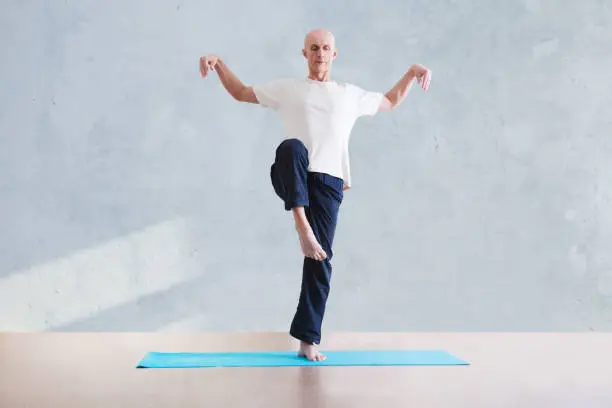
[[311, 352], [310, 246]]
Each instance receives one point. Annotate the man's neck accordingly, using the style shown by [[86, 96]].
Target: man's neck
[[320, 76]]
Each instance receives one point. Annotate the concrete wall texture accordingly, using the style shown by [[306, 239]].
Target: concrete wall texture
[[135, 196]]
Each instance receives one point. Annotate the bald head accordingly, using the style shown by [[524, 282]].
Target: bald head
[[319, 35], [319, 50]]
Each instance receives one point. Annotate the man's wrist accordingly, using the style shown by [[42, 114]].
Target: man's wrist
[[411, 73]]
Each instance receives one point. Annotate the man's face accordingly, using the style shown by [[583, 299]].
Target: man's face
[[320, 50]]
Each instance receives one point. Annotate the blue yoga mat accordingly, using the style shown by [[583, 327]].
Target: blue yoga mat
[[290, 358]]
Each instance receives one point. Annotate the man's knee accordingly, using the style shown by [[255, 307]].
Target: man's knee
[[293, 148]]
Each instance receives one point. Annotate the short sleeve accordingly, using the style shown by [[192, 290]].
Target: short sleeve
[[368, 102], [272, 94]]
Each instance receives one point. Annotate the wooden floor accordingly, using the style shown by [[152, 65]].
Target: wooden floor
[[507, 370]]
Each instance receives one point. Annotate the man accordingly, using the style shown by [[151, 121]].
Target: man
[[311, 170]]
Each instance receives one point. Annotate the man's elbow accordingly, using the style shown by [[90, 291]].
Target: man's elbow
[[387, 103], [246, 94]]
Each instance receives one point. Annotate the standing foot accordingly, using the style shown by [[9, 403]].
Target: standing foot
[[310, 351]]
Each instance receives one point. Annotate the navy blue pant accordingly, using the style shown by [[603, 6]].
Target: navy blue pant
[[321, 195]]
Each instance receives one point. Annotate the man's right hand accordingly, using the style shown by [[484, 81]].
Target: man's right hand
[[232, 84], [208, 63]]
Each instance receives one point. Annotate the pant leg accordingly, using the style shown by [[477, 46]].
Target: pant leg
[[325, 196], [289, 173]]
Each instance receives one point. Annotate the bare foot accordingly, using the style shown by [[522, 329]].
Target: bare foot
[[309, 243], [310, 351], [310, 246]]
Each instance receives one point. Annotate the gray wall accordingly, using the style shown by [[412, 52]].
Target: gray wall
[[135, 196]]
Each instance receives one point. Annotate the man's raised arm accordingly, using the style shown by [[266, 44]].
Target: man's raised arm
[[396, 95], [230, 82]]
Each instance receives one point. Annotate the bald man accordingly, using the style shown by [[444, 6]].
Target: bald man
[[311, 169]]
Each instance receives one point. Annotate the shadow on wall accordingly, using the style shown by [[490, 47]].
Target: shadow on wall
[[177, 292], [155, 311], [135, 167], [153, 280]]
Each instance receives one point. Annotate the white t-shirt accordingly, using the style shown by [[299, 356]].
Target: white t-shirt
[[322, 116]]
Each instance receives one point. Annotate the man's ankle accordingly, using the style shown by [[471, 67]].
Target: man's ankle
[[303, 228]]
